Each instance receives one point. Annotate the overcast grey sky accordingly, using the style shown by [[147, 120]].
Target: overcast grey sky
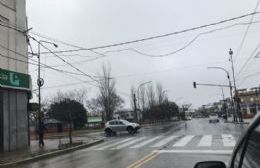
[[91, 23]]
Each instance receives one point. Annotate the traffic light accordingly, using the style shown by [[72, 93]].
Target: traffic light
[[194, 85]]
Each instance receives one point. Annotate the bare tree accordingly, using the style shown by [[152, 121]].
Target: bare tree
[[141, 97], [133, 97], [151, 100], [94, 106], [134, 104], [80, 95], [160, 93], [108, 99]]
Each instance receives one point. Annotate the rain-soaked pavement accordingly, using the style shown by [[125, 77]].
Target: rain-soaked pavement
[[174, 145]]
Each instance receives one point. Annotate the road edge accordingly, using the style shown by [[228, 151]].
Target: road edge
[[52, 154]]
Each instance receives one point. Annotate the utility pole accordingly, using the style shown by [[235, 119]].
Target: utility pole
[[236, 101], [40, 83], [136, 117]]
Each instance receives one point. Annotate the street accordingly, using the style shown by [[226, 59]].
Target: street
[[171, 145]]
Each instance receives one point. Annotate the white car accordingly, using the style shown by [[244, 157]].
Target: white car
[[213, 118], [114, 126], [188, 118]]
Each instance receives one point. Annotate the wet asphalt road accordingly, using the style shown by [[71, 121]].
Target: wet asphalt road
[[172, 145]]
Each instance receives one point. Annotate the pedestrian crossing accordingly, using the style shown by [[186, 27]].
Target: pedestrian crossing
[[184, 141], [206, 141], [177, 141], [228, 140]]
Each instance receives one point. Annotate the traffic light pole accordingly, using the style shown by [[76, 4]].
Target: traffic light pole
[[230, 88], [208, 84]]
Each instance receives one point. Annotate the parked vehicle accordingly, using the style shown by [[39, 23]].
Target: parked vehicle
[[188, 118], [114, 126], [246, 153], [213, 118]]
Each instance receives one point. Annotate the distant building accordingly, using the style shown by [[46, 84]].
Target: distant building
[[249, 101], [94, 122], [53, 126], [126, 114]]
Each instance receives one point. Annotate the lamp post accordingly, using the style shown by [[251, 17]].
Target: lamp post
[[236, 98], [144, 83], [40, 83], [230, 86]]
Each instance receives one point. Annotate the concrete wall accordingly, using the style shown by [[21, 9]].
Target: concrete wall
[[13, 14], [13, 120]]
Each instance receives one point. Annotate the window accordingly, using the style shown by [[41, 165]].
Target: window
[[238, 155], [248, 155], [120, 123], [251, 157], [112, 122]]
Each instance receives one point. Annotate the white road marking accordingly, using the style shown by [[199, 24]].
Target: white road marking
[[114, 144], [197, 151], [145, 142], [100, 145], [128, 143], [164, 141], [228, 140], [184, 141], [206, 140]]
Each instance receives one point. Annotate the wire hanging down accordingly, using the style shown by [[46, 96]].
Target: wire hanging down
[[158, 36]]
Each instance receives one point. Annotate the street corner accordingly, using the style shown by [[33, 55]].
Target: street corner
[[7, 162]]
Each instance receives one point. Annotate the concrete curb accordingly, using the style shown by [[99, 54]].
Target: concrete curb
[[236, 122], [52, 154]]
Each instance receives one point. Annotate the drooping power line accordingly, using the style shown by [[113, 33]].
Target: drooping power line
[[246, 32], [158, 36]]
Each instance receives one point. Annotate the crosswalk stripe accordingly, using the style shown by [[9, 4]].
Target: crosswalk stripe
[[206, 140], [100, 145], [228, 140], [128, 143], [145, 142], [114, 144], [184, 141], [164, 141]]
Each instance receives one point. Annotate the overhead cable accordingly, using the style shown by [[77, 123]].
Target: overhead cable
[[158, 36], [246, 32]]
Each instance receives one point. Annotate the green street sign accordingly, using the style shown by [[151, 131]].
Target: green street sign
[[15, 80]]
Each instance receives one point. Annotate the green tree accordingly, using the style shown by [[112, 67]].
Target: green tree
[[69, 111]]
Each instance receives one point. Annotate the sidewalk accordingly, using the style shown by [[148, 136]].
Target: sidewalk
[[245, 121], [51, 148]]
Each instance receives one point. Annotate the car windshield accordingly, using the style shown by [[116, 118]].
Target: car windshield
[[125, 121], [139, 83]]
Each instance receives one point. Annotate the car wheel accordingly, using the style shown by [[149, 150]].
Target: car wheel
[[130, 130], [108, 132], [113, 133]]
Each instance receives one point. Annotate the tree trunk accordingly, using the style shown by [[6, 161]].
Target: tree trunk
[[70, 133]]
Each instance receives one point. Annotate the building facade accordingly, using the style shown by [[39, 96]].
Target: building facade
[[126, 114], [249, 101], [14, 79]]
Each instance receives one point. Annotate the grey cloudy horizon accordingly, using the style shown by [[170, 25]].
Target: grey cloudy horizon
[[94, 23]]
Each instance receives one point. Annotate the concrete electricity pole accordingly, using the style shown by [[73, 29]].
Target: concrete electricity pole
[[135, 109], [40, 83], [235, 89]]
